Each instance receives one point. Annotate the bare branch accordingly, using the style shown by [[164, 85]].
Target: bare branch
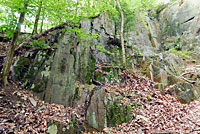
[[37, 36]]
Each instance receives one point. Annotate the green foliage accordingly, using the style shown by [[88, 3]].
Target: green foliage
[[143, 5], [38, 44], [8, 24], [129, 15], [33, 86], [173, 0], [52, 129], [9, 17], [182, 53], [101, 49], [46, 72], [56, 12], [118, 114], [82, 34]]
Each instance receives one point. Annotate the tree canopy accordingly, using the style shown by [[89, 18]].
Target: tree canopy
[[55, 12]]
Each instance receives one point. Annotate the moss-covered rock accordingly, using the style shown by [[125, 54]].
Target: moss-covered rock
[[117, 113], [165, 68], [56, 127], [20, 67], [184, 91], [34, 70], [105, 110]]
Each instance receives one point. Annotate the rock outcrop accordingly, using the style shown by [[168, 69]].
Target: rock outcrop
[[66, 74], [180, 17], [72, 74]]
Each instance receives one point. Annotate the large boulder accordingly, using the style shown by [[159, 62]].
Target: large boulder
[[66, 75], [102, 109], [77, 63], [70, 64], [186, 92], [106, 110], [164, 68], [33, 70]]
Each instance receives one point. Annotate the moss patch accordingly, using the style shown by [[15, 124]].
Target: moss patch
[[117, 113], [182, 53], [91, 67]]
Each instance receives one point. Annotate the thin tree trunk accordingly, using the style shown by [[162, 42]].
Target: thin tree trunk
[[42, 20], [9, 58], [122, 34], [37, 18]]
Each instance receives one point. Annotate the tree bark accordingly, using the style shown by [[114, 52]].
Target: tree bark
[[9, 58], [41, 26], [37, 18], [122, 34]]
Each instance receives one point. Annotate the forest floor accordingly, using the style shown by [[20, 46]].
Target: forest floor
[[157, 113], [21, 112]]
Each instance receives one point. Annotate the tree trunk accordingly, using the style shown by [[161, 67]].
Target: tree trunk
[[37, 18], [9, 58], [41, 26], [122, 34]]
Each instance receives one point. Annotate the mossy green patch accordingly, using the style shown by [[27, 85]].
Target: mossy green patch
[[107, 69], [118, 113], [181, 53], [91, 67], [21, 67]]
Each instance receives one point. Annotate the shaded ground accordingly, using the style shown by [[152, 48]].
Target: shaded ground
[[21, 112], [156, 113]]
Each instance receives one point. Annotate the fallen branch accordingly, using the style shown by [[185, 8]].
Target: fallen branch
[[190, 72], [178, 77], [38, 49], [95, 82], [37, 36], [187, 80], [194, 71]]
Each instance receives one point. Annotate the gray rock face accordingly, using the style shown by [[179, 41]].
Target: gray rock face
[[138, 38], [96, 112], [71, 65], [104, 110], [154, 31], [195, 25], [62, 78], [33, 70], [185, 92], [179, 31], [104, 27], [73, 62], [179, 17]]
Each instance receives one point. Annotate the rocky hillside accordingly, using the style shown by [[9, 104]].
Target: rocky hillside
[[75, 72]]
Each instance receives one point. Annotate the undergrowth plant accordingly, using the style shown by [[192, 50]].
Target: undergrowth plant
[[182, 53]]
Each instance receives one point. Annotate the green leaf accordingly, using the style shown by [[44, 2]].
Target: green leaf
[[52, 129]]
